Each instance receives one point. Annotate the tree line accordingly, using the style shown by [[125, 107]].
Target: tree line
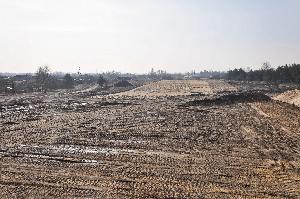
[[281, 74]]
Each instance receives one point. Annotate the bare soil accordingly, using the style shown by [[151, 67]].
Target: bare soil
[[292, 97], [168, 139]]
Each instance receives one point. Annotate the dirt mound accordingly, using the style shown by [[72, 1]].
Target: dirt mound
[[240, 97], [123, 83], [291, 97]]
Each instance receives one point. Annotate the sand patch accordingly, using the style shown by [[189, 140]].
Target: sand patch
[[292, 97]]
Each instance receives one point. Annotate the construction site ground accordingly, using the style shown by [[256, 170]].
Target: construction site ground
[[166, 139]]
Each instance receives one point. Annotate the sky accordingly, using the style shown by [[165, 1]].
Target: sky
[[137, 35]]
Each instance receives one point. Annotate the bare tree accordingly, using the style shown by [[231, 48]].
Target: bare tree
[[68, 81], [43, 77], [101, 81], [266, 66]]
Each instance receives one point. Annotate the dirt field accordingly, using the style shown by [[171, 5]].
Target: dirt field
[[168, 139], [178, 88]]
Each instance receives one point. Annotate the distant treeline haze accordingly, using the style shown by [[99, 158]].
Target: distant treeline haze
[[282, 74]]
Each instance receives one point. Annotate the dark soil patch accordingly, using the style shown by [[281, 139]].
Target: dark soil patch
[[232, 98], [123, 83]]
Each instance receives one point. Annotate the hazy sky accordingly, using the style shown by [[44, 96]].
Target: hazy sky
[[135, 35]]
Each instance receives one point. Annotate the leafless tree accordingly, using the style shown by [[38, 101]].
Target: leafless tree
[[43, 77]]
